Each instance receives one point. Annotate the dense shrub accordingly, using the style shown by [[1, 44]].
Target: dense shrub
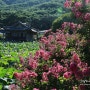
[[60, 62], [55, 66], [80, 17]]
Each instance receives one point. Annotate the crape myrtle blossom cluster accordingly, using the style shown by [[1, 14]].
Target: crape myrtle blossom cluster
[[77, 9], [25, 76], [51, 62], [71, 26], [79, 14], [68, 3], [77, 4], [87, 17], [87, 1]]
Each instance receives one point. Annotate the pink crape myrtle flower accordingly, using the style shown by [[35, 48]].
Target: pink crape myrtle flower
[[46, 56], [45, 76], [33, 63], [73, 67], [44, 40], [56, 70], [14, 87], [67, 4], [51, 38], [76, 58], [86, 71], [87, 17], [82, 65], [78, 5], [62, 43], [78, 14], [27, 74], [35, 89], [67, 75], [64, 25], [45, 67], [43, 54], [73, 26], [79, 26], [18, 76], [54, 89], [87, 1]]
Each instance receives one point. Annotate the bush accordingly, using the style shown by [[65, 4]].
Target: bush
[[80, 17], [55, 66]]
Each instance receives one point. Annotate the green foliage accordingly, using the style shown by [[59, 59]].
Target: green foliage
[[0, 86], [85, 31], [7, 72], [63, 18], [10, 52]]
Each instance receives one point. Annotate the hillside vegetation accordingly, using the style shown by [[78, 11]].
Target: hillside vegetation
[[38, 13]]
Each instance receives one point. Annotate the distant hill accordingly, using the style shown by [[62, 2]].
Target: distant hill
[[14, 4], [24, 4], [39, 13]]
